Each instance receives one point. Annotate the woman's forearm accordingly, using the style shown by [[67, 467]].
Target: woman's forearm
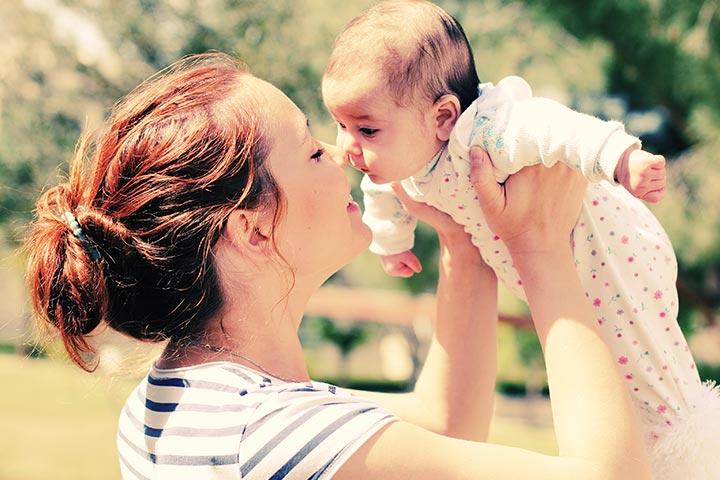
[[457, 383], [591, 409]]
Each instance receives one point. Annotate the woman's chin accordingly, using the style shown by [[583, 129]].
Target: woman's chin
[[358, 245], [354, 246], [365, 238]]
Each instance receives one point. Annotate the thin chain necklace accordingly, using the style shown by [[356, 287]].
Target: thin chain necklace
[[213, 348]]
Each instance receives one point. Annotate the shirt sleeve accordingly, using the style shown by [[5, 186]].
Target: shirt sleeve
[[307, 432], [393, 228], [519, 130]]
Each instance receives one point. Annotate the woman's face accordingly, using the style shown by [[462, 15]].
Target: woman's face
[[321, 230]]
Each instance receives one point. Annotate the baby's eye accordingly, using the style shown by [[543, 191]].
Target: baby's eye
[[368, 132], [340, 125]]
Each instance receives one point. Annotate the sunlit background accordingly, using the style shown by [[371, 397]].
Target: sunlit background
[[653, 64]]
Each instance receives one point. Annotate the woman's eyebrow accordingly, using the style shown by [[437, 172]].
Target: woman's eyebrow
[[307, 131]]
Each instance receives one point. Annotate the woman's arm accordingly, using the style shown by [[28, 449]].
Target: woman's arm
[[454, 392], [458, 378], [597, 431], [592, 412]]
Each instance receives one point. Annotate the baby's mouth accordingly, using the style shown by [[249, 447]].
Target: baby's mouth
[[355, 165]]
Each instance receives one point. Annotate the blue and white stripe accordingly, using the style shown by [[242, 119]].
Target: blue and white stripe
[[223, 421]]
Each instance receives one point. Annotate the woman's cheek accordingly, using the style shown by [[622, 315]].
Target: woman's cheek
[[312, 211]]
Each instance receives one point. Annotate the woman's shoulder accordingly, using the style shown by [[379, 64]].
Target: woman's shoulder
[[191, 418], [306, 430], [230, 382], [224, 377]]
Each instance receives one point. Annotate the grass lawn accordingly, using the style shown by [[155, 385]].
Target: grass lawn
[[58, 422]]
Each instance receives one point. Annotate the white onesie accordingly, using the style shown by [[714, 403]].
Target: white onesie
[[624, 258]]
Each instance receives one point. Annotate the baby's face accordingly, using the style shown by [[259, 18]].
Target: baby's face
[[378, 137]]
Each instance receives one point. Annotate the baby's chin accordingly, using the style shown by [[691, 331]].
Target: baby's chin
[[381, 180], [377, 179]]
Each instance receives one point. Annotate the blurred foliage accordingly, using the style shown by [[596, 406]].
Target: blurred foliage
[[665, 57], [346, 336], [654, 64], [709, 372], [664, 54]]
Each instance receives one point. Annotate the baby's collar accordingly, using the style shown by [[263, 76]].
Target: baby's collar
[[432, 164]]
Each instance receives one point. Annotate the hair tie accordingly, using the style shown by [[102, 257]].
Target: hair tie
[[77, 230]]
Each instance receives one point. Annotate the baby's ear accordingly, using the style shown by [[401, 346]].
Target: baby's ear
[[447, 111]]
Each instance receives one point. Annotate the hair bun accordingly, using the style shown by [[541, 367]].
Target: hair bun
[[67, 285]]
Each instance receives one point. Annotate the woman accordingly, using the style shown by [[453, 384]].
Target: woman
[[209, 215]]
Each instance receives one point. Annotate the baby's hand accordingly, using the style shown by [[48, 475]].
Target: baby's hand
[[642, 174], [404, 264]]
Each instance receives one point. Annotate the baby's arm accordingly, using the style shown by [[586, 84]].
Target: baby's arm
[[392, 227], [519, 130], [539, 130]]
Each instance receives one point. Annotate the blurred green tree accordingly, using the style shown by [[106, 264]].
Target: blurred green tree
[[64, 62], [346, 336], [665, 56]]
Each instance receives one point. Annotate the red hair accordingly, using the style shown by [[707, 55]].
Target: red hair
[[176, 157]]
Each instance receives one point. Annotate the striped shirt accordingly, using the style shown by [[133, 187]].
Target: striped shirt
[[222, 420]]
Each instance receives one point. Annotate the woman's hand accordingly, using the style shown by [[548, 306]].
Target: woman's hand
[[535, 209]]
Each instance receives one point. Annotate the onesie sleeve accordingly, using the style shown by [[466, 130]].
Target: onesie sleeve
[[518, 130], [393, 228]]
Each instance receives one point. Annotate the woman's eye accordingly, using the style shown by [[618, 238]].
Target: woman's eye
[[340, 125], [368, 132], [318, 154]]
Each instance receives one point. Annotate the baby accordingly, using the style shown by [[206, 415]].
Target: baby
[[402, 86]]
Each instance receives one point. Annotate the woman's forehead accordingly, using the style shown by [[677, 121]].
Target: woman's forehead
[[288, 120]]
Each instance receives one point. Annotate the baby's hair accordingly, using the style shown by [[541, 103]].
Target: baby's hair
[[417, 46], [147, 203]]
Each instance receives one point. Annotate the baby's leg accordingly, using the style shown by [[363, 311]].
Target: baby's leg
[[628, 268]]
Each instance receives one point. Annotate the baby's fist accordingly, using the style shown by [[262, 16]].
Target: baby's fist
[[642, 174], [404, 264]]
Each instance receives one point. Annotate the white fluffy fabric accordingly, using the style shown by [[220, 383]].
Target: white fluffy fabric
[[690, 448]]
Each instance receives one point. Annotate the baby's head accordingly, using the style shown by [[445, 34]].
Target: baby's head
[[398, 77]]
